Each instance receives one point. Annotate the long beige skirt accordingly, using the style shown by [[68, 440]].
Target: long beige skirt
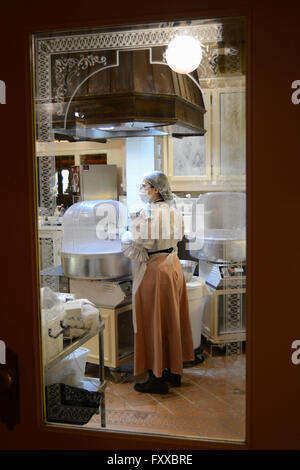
[[164, 336]]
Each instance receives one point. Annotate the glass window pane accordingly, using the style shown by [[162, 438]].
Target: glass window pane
[[87, 86], [233, 133], [189, 154]]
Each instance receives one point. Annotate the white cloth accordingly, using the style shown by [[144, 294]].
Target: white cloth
[[84, 316], [158, 226]]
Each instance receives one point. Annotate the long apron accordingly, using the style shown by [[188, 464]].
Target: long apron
[[163, 337]]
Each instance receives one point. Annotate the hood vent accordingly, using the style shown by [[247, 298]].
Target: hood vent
[[137, 98]]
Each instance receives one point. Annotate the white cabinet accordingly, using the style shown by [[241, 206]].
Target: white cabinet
[[216, 161]]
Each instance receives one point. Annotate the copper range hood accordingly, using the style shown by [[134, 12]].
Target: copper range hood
[[135, 98]]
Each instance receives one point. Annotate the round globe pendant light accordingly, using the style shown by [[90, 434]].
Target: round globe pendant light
[[184, 54]]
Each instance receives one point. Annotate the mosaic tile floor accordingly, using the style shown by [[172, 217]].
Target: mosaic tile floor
[[210, 402]]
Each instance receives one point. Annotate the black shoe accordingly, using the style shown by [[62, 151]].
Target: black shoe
[[153, 385], [172, 379]]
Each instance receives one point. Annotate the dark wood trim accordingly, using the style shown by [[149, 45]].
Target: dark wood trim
[[272, 381]]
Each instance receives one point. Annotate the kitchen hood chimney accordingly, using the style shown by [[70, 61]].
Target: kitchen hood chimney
[[137, 97]]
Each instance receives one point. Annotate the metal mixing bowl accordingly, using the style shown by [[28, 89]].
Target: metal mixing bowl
[[95, 266]]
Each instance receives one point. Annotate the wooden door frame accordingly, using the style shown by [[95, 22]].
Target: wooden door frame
[[262, 429]]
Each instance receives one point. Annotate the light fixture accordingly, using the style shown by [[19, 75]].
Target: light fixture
[[79, 115], [184, 54]]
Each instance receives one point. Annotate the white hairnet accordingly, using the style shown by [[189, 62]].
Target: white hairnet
[[159, 180]]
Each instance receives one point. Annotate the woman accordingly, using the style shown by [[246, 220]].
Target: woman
[[163, 337]]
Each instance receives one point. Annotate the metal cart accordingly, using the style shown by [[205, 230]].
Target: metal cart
[[71, 345]]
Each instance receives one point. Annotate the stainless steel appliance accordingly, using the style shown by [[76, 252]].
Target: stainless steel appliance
[[224, 314], [223, 246], [98, 182], [91, 247], [95, 266], [221, 250], [223, 238]]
